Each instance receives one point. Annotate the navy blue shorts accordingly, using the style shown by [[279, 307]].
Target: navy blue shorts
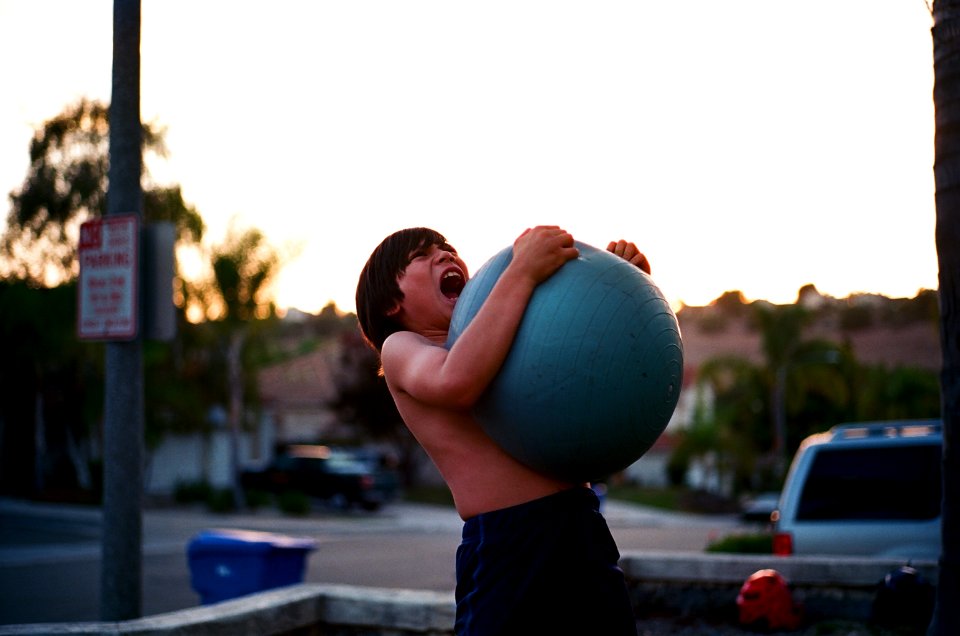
[[549, 566]]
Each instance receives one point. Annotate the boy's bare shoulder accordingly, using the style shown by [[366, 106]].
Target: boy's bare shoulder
[[403, 339], [401, 345]]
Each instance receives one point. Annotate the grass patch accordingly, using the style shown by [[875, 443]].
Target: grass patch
[[758, 543], [435, 495], [673, 498], [664, 498]]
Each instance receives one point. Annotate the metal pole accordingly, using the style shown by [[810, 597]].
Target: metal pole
[[121, 580]]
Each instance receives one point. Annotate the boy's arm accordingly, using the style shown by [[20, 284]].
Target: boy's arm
[[456, 378]]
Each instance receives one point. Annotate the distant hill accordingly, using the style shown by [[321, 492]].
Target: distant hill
[[881, 331], [916, 345]]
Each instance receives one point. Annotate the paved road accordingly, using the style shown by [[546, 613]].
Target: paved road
[[50, 555]]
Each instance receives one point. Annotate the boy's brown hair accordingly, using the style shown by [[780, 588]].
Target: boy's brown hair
[[378, 291]]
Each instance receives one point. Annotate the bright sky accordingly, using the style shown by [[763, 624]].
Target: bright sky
[[753, 145]]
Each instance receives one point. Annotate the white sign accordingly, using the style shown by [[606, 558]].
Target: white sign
[[107, 295]]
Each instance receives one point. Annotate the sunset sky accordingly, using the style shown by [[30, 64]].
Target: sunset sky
[[749, 145]]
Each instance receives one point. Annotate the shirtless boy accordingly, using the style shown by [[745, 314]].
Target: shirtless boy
[[537, 556]]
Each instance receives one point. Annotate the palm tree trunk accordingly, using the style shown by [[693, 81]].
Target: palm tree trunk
[[778, 405], [235, 411], [39, 444], [946, 95]]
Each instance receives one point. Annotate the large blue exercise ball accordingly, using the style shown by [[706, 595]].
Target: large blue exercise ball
[[594, 372]]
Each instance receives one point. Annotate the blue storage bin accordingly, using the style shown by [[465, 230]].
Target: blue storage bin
[[226, 564]]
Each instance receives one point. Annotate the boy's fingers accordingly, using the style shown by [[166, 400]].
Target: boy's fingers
[[641, 261], [623, 249], [629, 252]]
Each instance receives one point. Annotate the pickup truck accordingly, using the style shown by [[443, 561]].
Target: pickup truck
[[338, 475]]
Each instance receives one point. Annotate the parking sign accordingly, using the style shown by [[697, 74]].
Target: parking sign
[[109, 267]]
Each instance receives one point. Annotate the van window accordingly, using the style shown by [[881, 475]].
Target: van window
[[873, 483]]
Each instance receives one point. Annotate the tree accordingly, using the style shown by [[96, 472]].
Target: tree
[[781, 329], [811, 383], [946, 98], [48, 396], [899, 393], [66, 184], [243, 266], [734, 431], [364, 400], [818, 390], [731, 304]]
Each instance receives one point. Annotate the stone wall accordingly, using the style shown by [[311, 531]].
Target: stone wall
[[706, 585], [661, 583]]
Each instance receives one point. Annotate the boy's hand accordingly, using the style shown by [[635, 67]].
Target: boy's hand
[[629, 252], [540, 251]]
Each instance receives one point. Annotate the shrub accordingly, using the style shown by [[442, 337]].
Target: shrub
[[191, 491], [221, 500], [294, 503], [258, 499]]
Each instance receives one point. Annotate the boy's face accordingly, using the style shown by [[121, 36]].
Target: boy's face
[[431, 285]]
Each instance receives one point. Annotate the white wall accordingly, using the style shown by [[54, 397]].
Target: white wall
[[195, 458]]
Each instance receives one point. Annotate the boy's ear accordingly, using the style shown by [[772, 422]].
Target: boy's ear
[[393, 311]]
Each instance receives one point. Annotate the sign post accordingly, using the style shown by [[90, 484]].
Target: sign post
[[109, 271], [121, 565]]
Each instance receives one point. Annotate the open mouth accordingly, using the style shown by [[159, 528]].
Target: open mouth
[[451, 284]]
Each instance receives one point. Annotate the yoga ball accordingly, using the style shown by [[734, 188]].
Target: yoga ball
[[593, 374]]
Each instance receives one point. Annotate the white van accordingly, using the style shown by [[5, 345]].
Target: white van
[[872, 488]]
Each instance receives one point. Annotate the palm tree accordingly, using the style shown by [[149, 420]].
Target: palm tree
[[734, 431], [242, 269], [781, 330], [946, 98]]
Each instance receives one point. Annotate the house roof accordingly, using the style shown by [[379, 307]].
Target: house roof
[[301, 381]]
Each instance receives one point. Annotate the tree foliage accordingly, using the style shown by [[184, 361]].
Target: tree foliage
[[182, 381], [49, 397], [364, 400], [51, 394], [803, 386], [66, 184], [243, 267]]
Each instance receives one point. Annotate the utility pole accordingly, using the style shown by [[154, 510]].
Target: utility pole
[[121, 580], [946, 170]]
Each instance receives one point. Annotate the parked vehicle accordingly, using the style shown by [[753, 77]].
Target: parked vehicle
[[758, 508], [340, 475], [864, 489]]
